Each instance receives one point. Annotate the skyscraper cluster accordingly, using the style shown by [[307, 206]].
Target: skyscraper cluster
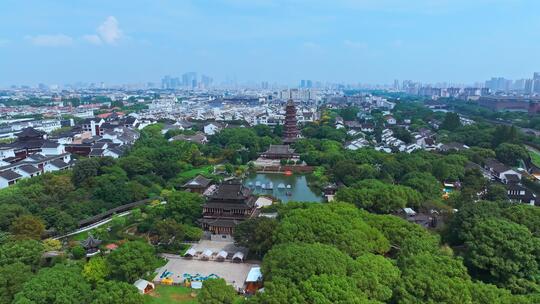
[[529, 86], [306, 84], [187, 81]]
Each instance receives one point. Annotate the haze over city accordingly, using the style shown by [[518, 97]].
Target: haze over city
[[57, 42]]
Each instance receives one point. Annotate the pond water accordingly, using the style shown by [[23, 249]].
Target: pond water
[[298, 191]]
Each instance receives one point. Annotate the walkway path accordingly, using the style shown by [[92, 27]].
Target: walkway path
[[90, 227]]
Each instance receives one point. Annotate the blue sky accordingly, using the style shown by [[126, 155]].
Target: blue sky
[[368, 41]]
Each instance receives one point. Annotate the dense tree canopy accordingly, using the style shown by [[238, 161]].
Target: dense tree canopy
[[131, 261], [376, 276], [12, 278], [256, 235], [60, 284], [298, 262], [433, 279], [504, 253], [28, 252], [113, 292], [451, 122], [216, 291], [376, 196], [333, 225]]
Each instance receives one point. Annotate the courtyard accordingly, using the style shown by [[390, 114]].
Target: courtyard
[[233, 273]]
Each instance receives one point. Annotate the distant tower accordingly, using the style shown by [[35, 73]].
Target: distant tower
[[290, 133]]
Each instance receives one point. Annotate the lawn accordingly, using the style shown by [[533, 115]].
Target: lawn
[[170, 294], [535, 157], [194, 172], [174, 294]]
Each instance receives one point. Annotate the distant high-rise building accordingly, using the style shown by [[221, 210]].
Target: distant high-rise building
[[499, 84], [166, 82], [206, 81], [302, 83], [396, 84], [529, 83], [519, 85], [189, 80], [309, 84], [264, 85], [536, 83], [169, 82]]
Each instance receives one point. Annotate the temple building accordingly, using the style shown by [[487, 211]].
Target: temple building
[[279, 152], [199, 184], [290, 132], [226, 207]]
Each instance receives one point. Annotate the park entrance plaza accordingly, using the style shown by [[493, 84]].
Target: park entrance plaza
[[207, 259]]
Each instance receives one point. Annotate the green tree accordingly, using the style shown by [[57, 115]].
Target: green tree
[[332, 289], [169, 229], [60, 284], [348, 113], [377, 196], [487, 294], [52, 245], [183, 207], [433, 279], [134, 165], [27, 227], [511, 154], [216, 291], [28, 252], [131, 261], [462, 222], [335, 224], [279, 290], [376, 276], [84, 169], [496, 192], [78, 252], [96, 270], [528, 216], [408, 238], [425, 183], [12, 278], [503, 252], [451, 122], [298, 262], [8, 213], [58, 219], [256, 234], [114, 292]]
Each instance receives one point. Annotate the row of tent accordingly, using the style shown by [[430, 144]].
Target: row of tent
[[221, 256]]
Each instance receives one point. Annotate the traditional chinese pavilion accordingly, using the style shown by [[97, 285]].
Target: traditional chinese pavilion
[[290, 132], [279, 152], [226, 207]]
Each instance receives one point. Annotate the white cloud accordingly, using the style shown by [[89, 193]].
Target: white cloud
[[109, 31], [94, 39], [355, 44], [51, 40]]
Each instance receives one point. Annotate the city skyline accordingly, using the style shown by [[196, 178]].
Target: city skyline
[[268, 40]]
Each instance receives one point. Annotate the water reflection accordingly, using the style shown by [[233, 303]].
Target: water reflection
[[286, 188]]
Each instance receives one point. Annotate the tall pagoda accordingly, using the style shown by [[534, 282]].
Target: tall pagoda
[[290, 132]]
